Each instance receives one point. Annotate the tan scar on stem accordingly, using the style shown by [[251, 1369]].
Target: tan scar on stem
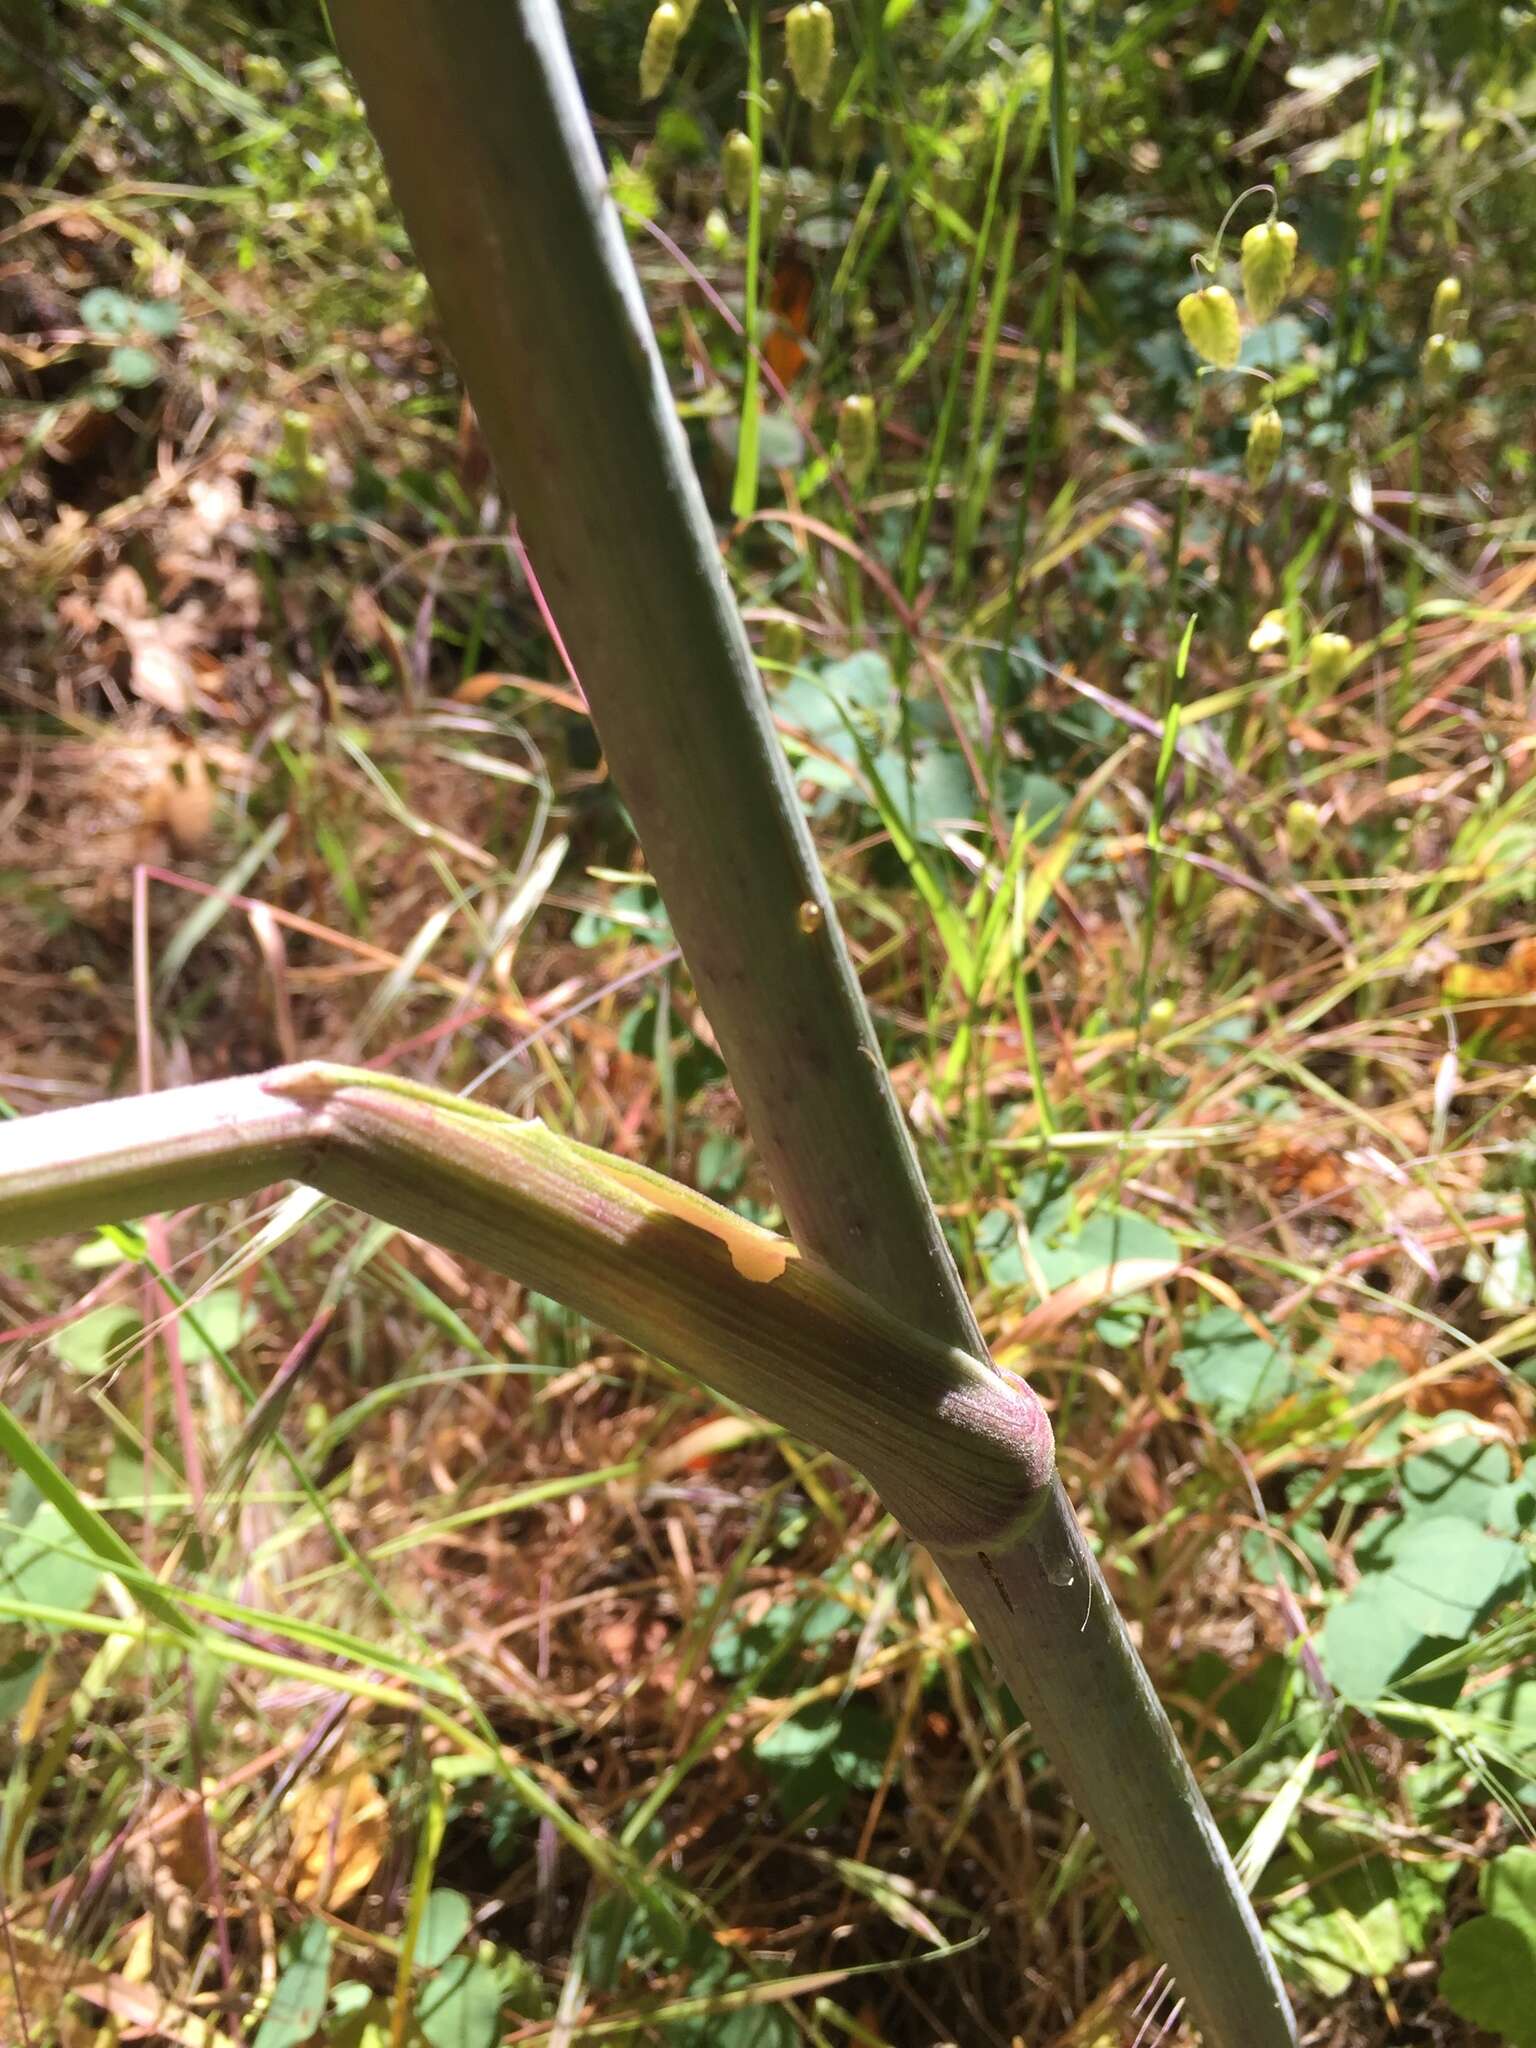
[[756, 1254]]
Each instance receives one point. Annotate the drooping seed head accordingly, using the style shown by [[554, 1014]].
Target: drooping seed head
[[662, 36], [848, 132], [1438, 362], [1210, 324], [810, 43], [1266, 434], [772, 199], [782, 642], [856, 437], [1269, 633], [1327, 658], [1445, 309], [736, 161], [1302, 823], [1160, 1016], [1268, 258]]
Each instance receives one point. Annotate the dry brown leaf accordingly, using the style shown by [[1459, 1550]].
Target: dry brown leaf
[[1502, 999], [189, 802], [697, 1449], [475, 689], [1362, 1340], [1308, 1171], [167, 663], [340, 1827]]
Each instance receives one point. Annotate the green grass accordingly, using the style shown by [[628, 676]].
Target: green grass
[[1156, 936]]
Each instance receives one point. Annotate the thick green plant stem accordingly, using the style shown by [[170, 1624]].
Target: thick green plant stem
[[493, 161], [962, 1455]]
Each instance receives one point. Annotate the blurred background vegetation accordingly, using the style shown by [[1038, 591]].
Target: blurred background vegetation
[[1184, 829]]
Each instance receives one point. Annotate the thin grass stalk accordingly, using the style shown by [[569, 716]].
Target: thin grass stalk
[[493, 161]]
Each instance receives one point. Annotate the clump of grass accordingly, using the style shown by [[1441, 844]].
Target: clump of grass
[[719, 1714]]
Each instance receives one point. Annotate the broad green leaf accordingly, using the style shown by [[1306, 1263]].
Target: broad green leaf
[[1362, 1914], [93, 1532], [159, 317], [1367, 1641], [444, 1924], [90, 1342], [1439, 1577], [752, 2026], [105, 311], [462, 2006], [1447, 1574], [1231, 1370], [1488, 1976], [299, 1996], [1460, 1474], [18, 1675], [1508, 1888], [132, 367], [822, 1754], [216, 1322], [42, 1562], [1274, 346], [804, 1737]]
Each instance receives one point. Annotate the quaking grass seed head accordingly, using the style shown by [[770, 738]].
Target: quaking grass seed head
[[810, 44], [1438, 363], [1160, 1016], [1268, 258], [1327, 659], [663, 33], [1271, 632], [783, 640], [736, 162], [1266, 435], [1445, 308], [856, 437], [1211, 326], [1303, 823]]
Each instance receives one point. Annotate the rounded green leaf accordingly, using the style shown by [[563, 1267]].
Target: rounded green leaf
[[462, 2007], [444, 1924], [298, 1998], [1489, 1977], [132, 368]]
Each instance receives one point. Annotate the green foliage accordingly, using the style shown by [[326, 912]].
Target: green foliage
[[1436, 1577], [461, 2008], [820, 1756], [1363, 1914], [1488, 1971], [1066, 1242], [41, 1561], [444, 1923], [298, 2000], [1057, 490], [1231, 1370]]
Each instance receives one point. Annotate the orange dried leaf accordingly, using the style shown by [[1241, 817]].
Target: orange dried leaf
[[789, 307], [340, 1828], [1500, 1000]]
